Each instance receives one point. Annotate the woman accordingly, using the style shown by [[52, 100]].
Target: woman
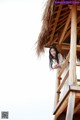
[[55, 58]]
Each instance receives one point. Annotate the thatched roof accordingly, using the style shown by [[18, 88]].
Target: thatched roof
[[56, 19]]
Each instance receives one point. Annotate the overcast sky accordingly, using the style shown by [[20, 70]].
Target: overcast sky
[[26, 83]]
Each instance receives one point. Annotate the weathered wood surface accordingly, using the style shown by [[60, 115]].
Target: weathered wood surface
[[71, 104], [63, 81], [72, 69]]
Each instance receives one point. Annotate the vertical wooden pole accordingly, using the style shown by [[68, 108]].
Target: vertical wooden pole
[[57, 95], [72, 69], [57, 85], [71, 104]]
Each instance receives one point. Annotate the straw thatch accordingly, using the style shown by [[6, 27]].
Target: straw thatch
[[42, 39], [54, 20]]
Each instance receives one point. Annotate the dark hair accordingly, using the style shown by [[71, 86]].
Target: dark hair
[[51, 57]]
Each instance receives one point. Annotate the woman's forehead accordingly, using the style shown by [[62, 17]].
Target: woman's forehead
[[52, 49]]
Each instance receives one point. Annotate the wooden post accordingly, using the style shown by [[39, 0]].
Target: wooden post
[[72, 69], [57, 85], [71, 104], [57, 95]]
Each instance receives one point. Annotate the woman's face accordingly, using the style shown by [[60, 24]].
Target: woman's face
[[53, 52]]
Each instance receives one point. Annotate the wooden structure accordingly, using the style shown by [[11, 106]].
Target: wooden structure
[[61, 27]]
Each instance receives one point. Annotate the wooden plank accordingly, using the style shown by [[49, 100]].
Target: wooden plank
[[66, 46], [63, 18], [72, 70], [56, 21], [63, 81], [71, 104], [78, 64], [58, 106], [65, 65], [78, 80], [68, 28], [61, 109], [78, 95], [55, 12], [60, 27], [65, 28], [77, 108], [75, 88], [64, 14], [61, 22], [78, 7], [64, 9], [68, 33], [57, 85], [78, 27], [61, 105]]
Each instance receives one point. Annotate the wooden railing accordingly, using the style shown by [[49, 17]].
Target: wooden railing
[[66, 63], [63, 81], [61, 72], [59, 84]]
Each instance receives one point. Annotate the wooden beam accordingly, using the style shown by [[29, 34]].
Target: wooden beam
[[63, 18], [60, 27], [57, 95], [62, 104], [77, 108], [65, 96], [78, 27], [65, 28], [72, 72], [72, 69], [66, 47], [63, 81], [65, 9], [56, 21], [62, 108], [74, 88], [77, 90], [78, 7], [61, 22], [68, 33], [64, 14], [71, 104], [78, 95], [77, 64], [64, 66]]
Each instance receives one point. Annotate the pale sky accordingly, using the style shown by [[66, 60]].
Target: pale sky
[[26, 84]]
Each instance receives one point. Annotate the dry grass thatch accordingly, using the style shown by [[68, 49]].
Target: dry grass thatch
[[42, 39], [54, 20]]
